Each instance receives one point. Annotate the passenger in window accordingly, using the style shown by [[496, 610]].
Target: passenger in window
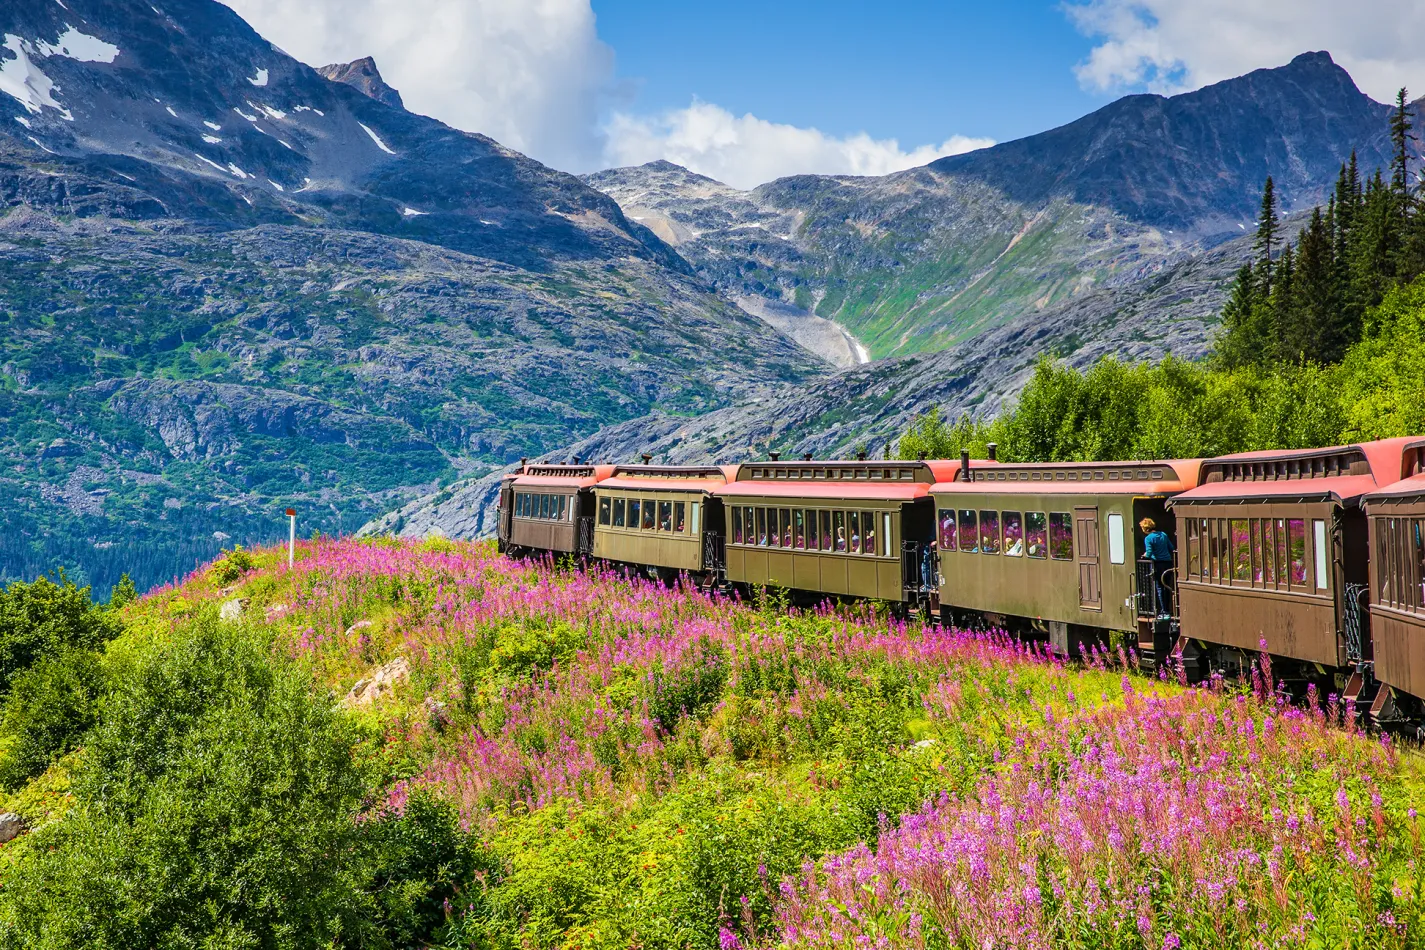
[[680, 517], [870, 538], [1158, 549]]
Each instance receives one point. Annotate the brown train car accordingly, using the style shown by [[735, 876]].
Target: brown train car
[[1056, 545], [1274, 551], [1396, 518], [663, 517], [550, 508], [838, 528]]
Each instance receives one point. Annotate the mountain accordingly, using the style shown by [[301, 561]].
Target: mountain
[[924, 259], [869, 406], [229, 284]]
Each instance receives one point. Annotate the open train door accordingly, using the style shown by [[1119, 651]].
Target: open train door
[[1086, 552], [506, 512]]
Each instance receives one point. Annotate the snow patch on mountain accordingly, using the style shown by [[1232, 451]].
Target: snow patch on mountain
[[214, 126], [412, 212], [81, 46], [22, 79], [260, 79], [211, 139], [377, 139]]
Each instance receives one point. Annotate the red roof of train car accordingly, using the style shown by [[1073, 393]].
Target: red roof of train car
[[1411, 484], [1385, 459], [853, 483], [698, 478], [1184, 474], [551, 476]]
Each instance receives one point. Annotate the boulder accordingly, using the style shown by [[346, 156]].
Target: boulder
[[381, 682], [11, 826]]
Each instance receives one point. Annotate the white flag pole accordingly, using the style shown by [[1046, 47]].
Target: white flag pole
[[291, 537]]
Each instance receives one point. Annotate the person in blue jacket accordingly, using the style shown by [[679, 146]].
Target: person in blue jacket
[[1158, 549]]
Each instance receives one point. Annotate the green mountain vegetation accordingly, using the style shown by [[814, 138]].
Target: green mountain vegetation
[[401, 744]]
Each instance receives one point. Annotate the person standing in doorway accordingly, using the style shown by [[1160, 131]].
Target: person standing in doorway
[[1158, 549]]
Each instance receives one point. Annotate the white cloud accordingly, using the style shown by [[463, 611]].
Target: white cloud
[[529, 73], [1172, 45], [746, 151]]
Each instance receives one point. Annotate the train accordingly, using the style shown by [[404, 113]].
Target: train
[[1314, 557]]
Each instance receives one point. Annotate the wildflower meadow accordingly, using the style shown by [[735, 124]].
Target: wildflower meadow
[[625, 764]]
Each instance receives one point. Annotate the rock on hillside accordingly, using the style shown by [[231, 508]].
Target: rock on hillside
[[1172, 312], [924, 259], [363, 75]]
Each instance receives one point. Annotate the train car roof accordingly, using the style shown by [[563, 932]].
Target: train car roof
[[870, 480], [1326, 473], [562, 476], [1159, 477], [1413, 484], [692, 478]]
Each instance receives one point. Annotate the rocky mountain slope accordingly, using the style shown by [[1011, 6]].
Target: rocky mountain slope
[[927, 258], [1173, 311], [229, 284]]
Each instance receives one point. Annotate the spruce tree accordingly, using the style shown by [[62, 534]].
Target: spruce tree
[[1242, 340], [1267, 227], [1321, 327], [1400, 139]]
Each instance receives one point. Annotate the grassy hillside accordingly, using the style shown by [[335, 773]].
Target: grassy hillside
[[580, 760]]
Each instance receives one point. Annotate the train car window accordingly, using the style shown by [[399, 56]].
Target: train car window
[[826, 535], [885, 534], [1036, 535], [543, 511], [786, 522], [1241, 550], [665, 516], [605, 511], [1417, 587], [1258, 565], [989, 532], [1116, 553], [737, 524], [1194, 552], [799, 529], [868, 533], [1296, 551], [680, 516], [635, 510], [1279, 557], [749, 532], [1318, 543], [774, 534], [1012, 523], [811, 528], [618, 513], [969, 532], [838, 520], [519, 504], [854, 527], [762, 527], [697, 516], [649, 514], [947, 529], [1061, 536]]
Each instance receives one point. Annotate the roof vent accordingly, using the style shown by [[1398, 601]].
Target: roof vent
[[774, 456], [993, 450], [646, 458], [806, 457], [965, 465], [861, 456]]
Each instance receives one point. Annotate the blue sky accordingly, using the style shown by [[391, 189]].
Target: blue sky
[[751, 90], [914, 70]]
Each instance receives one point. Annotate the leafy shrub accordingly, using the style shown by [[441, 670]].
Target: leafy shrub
[[123, 593], [214, 808], [42, 619], [50, 707], [231, 566]]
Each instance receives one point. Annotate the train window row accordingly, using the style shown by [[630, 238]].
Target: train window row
[[646, 514], [543, 507], [1400, 563], [1267, 553], [813, 529], [1011, 533]]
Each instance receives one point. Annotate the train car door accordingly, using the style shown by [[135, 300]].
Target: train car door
[[1086, 551], [506, 512]]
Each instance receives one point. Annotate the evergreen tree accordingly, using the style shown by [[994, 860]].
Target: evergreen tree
[[1245, 338], [1400, 139], [1268, 225], [1320, 327]]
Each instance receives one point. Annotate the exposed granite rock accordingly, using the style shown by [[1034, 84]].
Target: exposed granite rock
[[363, 75]]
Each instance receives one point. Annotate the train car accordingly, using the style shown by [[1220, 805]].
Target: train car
[[550, 508], [1396, 528], [1275, 552], [665, 518], [850, 529], [1052, 546]]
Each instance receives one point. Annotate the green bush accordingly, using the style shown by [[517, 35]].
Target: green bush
[[42, 619], [214, 807], [50, 707], [231, 566]]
